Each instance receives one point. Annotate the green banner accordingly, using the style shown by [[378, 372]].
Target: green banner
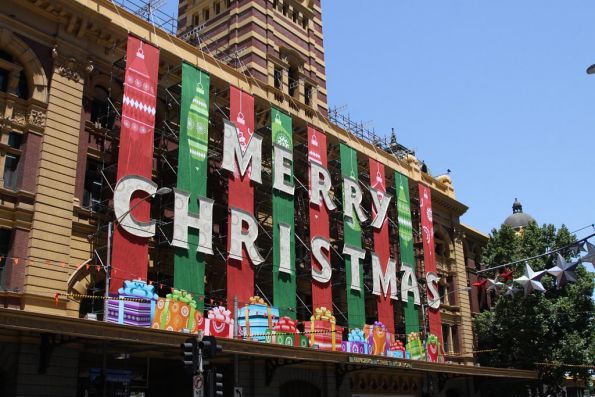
[[189, 265], [406, 245], [284, 280], [356, 313]]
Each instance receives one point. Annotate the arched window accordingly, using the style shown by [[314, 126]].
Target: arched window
[[12, 69]]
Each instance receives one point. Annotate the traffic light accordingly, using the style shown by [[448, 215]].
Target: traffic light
[[209, 347], [190, 355], [214, 383]]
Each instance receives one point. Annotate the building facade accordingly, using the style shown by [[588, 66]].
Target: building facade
[[63, 74]]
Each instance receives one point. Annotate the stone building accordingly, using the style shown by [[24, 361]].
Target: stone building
[[61, 77]]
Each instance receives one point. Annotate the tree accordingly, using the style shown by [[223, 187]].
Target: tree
[[551, 332]]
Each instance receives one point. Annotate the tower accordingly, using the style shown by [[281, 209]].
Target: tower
[[278, 42]]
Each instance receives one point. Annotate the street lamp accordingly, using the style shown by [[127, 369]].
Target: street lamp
[[108, 266], [591, 69]]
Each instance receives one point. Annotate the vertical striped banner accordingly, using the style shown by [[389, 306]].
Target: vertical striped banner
[[130, 254], [284, 283], [189, 265], [322, 294], [427, 225], [406, 246], [386, 313], [352, 232], [240, 273]]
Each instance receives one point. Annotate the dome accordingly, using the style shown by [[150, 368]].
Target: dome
[[518, 219]]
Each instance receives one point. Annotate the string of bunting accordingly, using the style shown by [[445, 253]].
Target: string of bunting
[[563, 271]]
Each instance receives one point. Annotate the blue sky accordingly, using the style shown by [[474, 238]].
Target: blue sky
[[495, 91]]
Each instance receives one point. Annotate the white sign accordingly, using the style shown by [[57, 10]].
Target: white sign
[[198, 385], [238, 392]]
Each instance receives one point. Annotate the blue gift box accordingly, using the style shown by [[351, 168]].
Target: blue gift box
[[356, 343], [256, 319]]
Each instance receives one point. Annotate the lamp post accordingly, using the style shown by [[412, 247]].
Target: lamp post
[[591, 69], [108, 263]]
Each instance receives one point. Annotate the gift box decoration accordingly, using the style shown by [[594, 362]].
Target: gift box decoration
[[378, 338], [356, 342], [256, 318], [415, 347], [285, 332], [177, 312], [434, 349], [397, 350], [324, 331], [219, 323], [135, 304]]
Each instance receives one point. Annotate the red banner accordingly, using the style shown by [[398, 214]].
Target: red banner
[[386, 313], [322, 295], [130, 253], [240, 273], [427, 225]]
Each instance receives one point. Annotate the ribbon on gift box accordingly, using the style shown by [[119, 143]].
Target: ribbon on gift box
[[221, 317], [356, 335], [182, 297], [397, 346], [323, 314], [257, 300]]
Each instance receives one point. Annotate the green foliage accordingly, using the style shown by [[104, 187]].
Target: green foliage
[[557, 326]]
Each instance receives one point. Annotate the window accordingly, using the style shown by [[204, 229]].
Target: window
[[308, 95], [275, 3], [11, 161], [285, 9], [293, 81], [445, 338], [205, 14], [278, 77], [217, 8], [195, 19], [3, 80], [294, 17], [305, 23], [228, 3], [4, 248], [101, 112], [92, 188]]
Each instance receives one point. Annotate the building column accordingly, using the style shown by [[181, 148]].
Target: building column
[[466, 326], [49, 244], [451, 350]]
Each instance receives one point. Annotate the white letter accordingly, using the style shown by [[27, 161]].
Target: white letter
[[432, 279], [353, 199], [386, 280], [281, 168], [355, 254], [409, 284], [183, 219], [232, 150], [285, 248], [122, 196], [324, 274], [239, 236], [380, 206], [320, 186]]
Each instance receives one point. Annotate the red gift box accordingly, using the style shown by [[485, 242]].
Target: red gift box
[[219, 323]]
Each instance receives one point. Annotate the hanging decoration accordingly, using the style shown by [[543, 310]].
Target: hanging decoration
[[384, 299], [531, 280], [135, 156], [240, 272], [353, 238], [284, 277], [406, 250], [590, 256], [189, 263], [322, 294], [425, 206], [563, 271], [494, 285]]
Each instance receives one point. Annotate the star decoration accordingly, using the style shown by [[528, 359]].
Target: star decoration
[[577, 248], [563, 271], [590, 257], [511, 290], [530, 280], [506, 275], [494, 285]]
